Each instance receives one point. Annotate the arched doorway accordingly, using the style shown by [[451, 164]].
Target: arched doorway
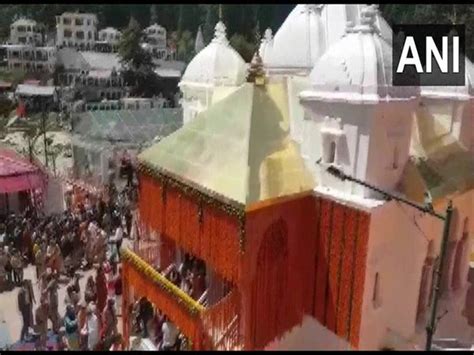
[[270, 285]]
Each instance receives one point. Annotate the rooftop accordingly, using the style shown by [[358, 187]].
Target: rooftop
[[97, 60], [128, 126], [24, 22], [35, 90], [239, 149]]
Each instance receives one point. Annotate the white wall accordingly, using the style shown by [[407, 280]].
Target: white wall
[[309, 335], [391, 128], [397, 250], [352, 149]]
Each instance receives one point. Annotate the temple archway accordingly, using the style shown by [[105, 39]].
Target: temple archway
[[270, 284]]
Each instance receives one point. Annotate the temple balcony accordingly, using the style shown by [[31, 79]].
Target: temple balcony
[[215, 327]]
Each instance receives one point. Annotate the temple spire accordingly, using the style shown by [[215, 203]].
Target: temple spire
[[220, 12], [199, 43], [220, 33]]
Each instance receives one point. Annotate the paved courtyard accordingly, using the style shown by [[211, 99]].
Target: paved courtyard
[[10, 318]]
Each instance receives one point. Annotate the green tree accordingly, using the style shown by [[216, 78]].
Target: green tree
[[132, 55], [245, 48], [137, 62], [185, 46]]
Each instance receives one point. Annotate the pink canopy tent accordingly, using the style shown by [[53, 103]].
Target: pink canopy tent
[[18, 174]]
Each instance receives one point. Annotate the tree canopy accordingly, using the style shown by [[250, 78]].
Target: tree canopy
[[240, 19]]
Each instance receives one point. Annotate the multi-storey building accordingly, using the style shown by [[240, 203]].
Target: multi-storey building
[[293, 257], [25, 31], [91, 76], [108, 40], [31, 58], [78, 30], [155, 41], [27, 50]]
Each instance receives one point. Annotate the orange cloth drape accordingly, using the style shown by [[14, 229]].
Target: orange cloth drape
[[218, 318], [214, 238], [320, 271]]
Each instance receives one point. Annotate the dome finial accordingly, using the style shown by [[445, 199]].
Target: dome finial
[[368, 16], [268, 35], [220, 33]]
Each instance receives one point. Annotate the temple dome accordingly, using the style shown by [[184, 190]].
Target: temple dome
[[358, 67], [309, 30], [217, 64]]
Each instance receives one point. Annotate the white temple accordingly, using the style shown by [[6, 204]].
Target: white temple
[[217, 65], [336, 63]]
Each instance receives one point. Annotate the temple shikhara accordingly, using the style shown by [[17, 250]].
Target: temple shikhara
[[291, 257]]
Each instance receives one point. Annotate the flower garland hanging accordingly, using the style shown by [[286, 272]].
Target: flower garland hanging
[[193, 307]]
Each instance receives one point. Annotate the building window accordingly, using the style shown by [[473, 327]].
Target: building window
[[395, 158], [80, 35], [446, 277], [424, 296], [460, 257], [66, 21], [67, 34], [79, 22], [331, 153], [376, 292]]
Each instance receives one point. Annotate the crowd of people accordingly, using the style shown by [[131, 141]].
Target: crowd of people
[[87, 236]]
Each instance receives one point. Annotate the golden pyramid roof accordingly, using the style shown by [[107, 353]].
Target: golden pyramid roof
[[239, 149]]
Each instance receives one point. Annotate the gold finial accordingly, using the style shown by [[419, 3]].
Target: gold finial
[[256, 73]]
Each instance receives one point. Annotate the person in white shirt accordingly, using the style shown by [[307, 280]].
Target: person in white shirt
[[91, 328], [170, 335], [118, 238]]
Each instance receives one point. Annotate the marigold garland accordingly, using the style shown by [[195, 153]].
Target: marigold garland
[[181, 297]]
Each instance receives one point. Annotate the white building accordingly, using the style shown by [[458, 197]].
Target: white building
[[31, 58], [110, 35], [108, 39], [155, 41], [217, 65], [25, 31], [77, 30]]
